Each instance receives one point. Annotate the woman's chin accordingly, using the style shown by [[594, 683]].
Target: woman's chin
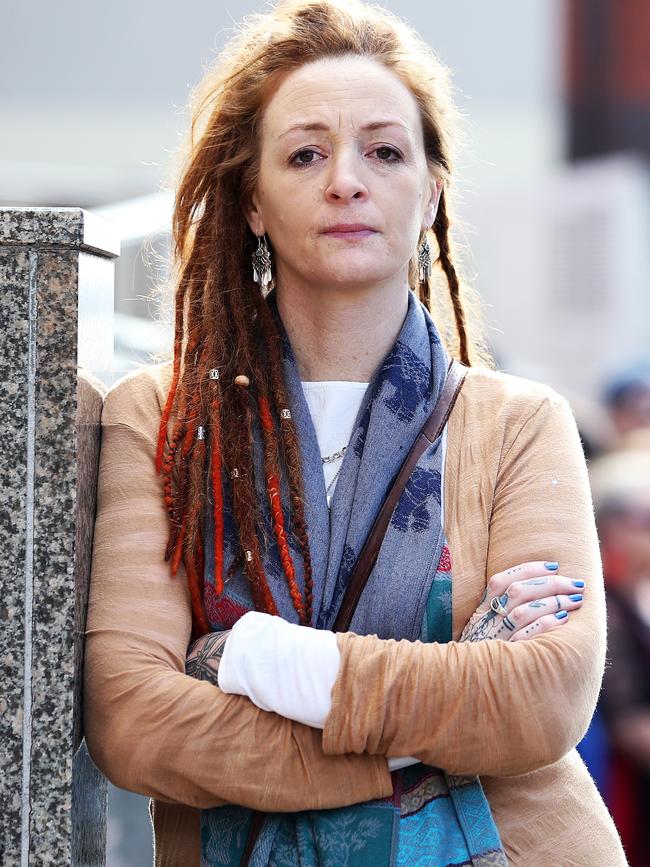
[[351, 283], [357, 271]]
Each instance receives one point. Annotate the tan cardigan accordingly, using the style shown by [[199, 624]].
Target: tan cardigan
[[516, 489]]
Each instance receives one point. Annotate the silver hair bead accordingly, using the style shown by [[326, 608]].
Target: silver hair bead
[[285, 413], [214, 373], [235, 473], [200, 432], [249, 556]]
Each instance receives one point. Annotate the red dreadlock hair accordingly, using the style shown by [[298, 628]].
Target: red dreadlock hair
[[221, 320]]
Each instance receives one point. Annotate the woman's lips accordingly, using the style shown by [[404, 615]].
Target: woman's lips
[[350, 230], [362, 233]]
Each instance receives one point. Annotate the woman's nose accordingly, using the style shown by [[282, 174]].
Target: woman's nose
[[345, 181]]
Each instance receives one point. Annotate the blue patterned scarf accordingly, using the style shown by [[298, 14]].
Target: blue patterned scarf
[[432, 817]]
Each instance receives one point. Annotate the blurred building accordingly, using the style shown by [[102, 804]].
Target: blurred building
[[607, 77]]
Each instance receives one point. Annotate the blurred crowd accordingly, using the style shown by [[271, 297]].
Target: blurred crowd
[[617, 745]]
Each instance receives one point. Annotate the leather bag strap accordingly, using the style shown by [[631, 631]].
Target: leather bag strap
[[430, 432]]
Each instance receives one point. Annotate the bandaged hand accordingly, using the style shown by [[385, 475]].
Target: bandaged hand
[[279, 666]]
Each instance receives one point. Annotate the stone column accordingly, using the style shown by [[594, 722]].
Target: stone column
[[56, 327]]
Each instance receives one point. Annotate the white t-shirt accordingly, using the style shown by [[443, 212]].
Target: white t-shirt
[[333, 405]]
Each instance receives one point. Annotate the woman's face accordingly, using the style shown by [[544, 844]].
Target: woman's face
[[344, 188]]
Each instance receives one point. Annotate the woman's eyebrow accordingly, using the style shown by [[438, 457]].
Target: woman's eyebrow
[[369, 127]]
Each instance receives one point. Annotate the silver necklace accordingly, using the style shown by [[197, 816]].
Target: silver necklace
[[328, 459], [334, 478]]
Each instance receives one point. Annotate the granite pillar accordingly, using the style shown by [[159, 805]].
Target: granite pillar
[[56, 312]]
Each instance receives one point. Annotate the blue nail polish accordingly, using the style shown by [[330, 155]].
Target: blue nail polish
[[552, 566], [578, 583], [561, 615], [576, 597]]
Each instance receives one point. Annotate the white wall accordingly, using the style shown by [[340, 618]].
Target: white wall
[[93, 95]]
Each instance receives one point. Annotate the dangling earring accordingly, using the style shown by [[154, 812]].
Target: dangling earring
[[262, 264], [424, 259]]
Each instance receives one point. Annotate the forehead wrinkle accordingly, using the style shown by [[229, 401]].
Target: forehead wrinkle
[[366, 124], [307, 97], [370, 127]]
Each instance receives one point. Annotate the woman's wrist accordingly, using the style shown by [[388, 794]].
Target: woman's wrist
[[204, 656]]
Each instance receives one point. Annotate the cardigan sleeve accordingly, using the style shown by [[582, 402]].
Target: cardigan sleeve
[[493, 707], [150, 728]]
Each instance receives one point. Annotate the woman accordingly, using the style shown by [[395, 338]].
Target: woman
[[321, 155]]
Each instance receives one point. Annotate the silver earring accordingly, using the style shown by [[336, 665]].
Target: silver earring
[[262, 264], [424, 260]]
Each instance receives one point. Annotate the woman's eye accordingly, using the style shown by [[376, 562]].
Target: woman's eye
[[307, 156], [384, 153], [304, 158]]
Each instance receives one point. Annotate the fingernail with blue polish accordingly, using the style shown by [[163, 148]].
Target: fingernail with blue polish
[[578, 583], [552, 566], [561, 615], [576, 597]]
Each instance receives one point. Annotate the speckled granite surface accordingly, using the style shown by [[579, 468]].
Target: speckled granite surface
[[14, 275], [56, 299], [70, 228]]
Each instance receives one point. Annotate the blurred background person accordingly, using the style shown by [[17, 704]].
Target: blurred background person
[[621, 488], [627, 399]]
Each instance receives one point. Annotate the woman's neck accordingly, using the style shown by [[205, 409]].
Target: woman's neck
[[338, 335]]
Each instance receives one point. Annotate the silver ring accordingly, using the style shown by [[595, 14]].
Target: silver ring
[[497, 607]]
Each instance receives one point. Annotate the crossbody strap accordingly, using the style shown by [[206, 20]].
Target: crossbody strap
[[430, 432]]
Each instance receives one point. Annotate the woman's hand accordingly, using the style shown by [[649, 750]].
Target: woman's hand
[[522, 602]]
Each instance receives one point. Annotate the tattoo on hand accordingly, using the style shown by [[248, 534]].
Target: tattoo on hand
[[484, 627], [204, 656]]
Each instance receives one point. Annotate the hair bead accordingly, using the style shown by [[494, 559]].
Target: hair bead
[[243, 380], [200, 432], [285, 413], [249, 556], [234, 474], [214, 373]]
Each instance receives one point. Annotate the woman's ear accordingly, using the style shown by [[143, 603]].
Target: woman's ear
[[434, 200], [253, 216]]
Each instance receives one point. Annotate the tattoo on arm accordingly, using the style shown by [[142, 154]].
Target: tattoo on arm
[[204, 656]]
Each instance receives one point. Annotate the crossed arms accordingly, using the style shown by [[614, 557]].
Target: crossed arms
[[494, 707]]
